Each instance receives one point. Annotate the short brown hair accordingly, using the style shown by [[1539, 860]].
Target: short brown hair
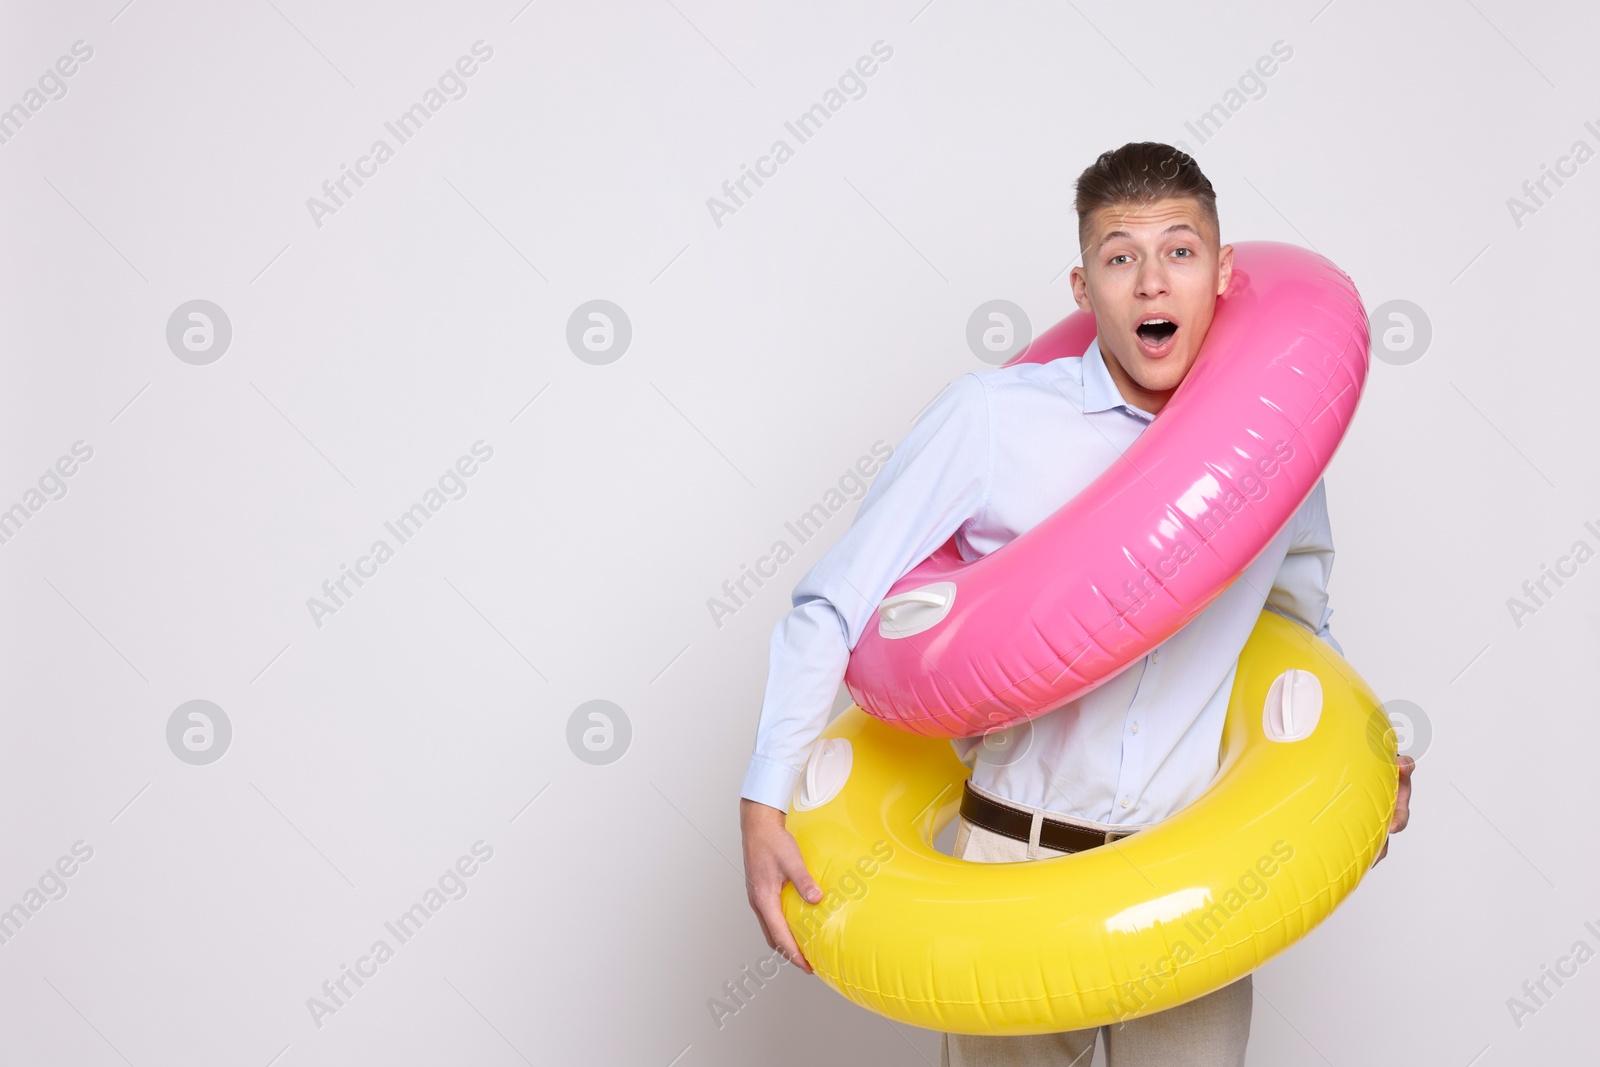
[[1137, 173]]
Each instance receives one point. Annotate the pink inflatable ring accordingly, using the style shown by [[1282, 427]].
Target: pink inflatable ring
[[963, 648]]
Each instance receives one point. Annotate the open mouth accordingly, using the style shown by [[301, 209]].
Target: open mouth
[[1155, 335]]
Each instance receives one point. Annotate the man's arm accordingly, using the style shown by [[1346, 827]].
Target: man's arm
[[935, 481], [1300, 591]]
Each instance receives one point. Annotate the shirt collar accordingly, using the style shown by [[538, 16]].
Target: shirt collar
[[1099, 390]]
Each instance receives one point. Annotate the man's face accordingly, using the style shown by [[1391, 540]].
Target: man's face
[[1157, 261]]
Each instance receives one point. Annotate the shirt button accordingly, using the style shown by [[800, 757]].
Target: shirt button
[[1155, 657], [1135, 727], [1124, 801]]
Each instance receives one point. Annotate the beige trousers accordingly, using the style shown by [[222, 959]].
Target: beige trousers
[[1209, 1031]]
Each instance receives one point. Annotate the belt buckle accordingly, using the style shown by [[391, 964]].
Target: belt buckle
[[1112, 835]]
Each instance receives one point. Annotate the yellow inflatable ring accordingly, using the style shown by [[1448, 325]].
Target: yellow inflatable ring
[[1295, 817]]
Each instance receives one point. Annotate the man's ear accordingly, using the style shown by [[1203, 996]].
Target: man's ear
[[1224, 268], [1080, 289]]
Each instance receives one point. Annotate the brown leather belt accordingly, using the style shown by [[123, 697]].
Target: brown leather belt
[[1053, 833]]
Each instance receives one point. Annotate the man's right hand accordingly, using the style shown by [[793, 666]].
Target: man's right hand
[[771, 858]]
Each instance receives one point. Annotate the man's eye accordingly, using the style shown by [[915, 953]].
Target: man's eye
[[1117, 257], [1186, 251]]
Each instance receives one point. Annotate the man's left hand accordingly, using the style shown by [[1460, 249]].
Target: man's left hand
[[1402, 803]]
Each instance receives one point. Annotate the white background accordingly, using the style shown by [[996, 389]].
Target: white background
[[767, 355]]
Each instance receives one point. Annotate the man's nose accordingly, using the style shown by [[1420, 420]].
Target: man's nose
[[1152, 279]]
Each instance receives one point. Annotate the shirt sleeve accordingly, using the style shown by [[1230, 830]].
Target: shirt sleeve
[[1300, 590], [932, 484]]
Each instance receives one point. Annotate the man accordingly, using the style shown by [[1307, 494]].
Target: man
[[995, 453]]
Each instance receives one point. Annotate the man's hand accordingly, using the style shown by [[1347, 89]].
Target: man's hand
[[1402, 802], [771, 858]]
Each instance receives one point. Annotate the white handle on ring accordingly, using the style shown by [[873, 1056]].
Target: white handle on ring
[[827, 770], [915, 610], [1293, 706], [891, 607]]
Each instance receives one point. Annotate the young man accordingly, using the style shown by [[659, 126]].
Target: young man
[[996, 452]]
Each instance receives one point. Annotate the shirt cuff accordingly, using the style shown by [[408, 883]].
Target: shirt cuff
[[771, 783]]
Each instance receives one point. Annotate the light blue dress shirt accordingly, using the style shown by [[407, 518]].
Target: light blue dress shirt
[[997, 451]]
